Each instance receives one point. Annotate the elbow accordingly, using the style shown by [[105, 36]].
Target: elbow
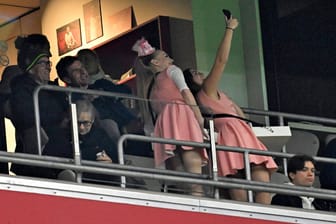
[[222, 60]]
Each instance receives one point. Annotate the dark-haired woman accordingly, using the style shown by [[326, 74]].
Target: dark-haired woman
[[231, 131]]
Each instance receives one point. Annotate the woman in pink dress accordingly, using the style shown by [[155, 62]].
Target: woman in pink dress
[[178, 117], [231, 131]]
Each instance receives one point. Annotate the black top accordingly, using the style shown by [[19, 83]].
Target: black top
[[96, 141], [296, 202], [3, 145], [52, 105], [328, 170], [111, 107], [92, 143], [52, 110]]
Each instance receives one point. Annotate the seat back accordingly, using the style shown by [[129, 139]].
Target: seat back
[[303, 142]]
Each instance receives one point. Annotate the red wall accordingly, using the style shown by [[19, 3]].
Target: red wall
[[18, 207]]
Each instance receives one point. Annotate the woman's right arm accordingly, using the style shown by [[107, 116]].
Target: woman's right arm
[[210, 84], [176, 74], [190, 100]]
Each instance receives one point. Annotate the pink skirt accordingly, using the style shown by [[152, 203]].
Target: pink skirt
[[236, 133], [176, 121]]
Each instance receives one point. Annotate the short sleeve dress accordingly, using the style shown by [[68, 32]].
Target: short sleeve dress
[[175, 120], [233, 132]]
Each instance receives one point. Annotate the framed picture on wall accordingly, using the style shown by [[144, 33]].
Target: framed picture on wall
[[69, 37], [92, 20], [122, 21]]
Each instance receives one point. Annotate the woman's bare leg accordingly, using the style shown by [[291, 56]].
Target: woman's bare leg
[[175, 163], [238, 194], [260, 173], [193, 163]]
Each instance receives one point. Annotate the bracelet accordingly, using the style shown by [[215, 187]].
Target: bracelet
[[229, 28]]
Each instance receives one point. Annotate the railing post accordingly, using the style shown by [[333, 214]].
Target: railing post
[[37, 120], [121, 159], [248, 174], [213, 156], [283, 149], [76, 150]]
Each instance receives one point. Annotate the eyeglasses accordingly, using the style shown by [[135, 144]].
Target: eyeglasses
[[45, 63], [85, 123]]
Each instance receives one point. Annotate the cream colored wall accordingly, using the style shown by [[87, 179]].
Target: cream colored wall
[[57, 13]]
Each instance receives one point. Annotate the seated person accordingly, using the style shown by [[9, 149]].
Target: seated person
[[71, 71], [94, 143], [110, 110], [101, 81], [93, 139], [301, 172]]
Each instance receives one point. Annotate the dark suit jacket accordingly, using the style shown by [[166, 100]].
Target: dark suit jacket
[[296, 202]]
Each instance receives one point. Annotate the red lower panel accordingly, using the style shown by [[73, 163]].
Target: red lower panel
[[18, 207]]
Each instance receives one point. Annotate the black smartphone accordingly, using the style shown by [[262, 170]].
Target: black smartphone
[[227, 13]]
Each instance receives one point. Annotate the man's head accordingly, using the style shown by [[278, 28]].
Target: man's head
[[301, 170], [71, 71], [90, 60], [86, 114], [30, 49], [33, 56]]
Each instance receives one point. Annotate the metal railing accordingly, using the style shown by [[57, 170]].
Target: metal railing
[[281, 116], [167, 175]]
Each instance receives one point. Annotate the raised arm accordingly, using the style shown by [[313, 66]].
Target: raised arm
[[210, 84]]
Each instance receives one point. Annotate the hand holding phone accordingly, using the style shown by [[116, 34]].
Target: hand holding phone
[[227, 13], [103, 157]]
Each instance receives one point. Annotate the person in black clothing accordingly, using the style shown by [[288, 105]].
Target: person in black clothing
[[33, 60], [126, 118], [72, 72], [95, 145], [112, 113], [8, 74], [93, 139], [301, 172], [98, 80], [3, 144], [327, 172]]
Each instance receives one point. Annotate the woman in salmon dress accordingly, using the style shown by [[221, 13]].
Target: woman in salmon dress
[[178, 117], [231, 131]]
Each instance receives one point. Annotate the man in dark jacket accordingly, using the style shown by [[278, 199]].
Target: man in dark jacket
[[33, 59], [301, 172]]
